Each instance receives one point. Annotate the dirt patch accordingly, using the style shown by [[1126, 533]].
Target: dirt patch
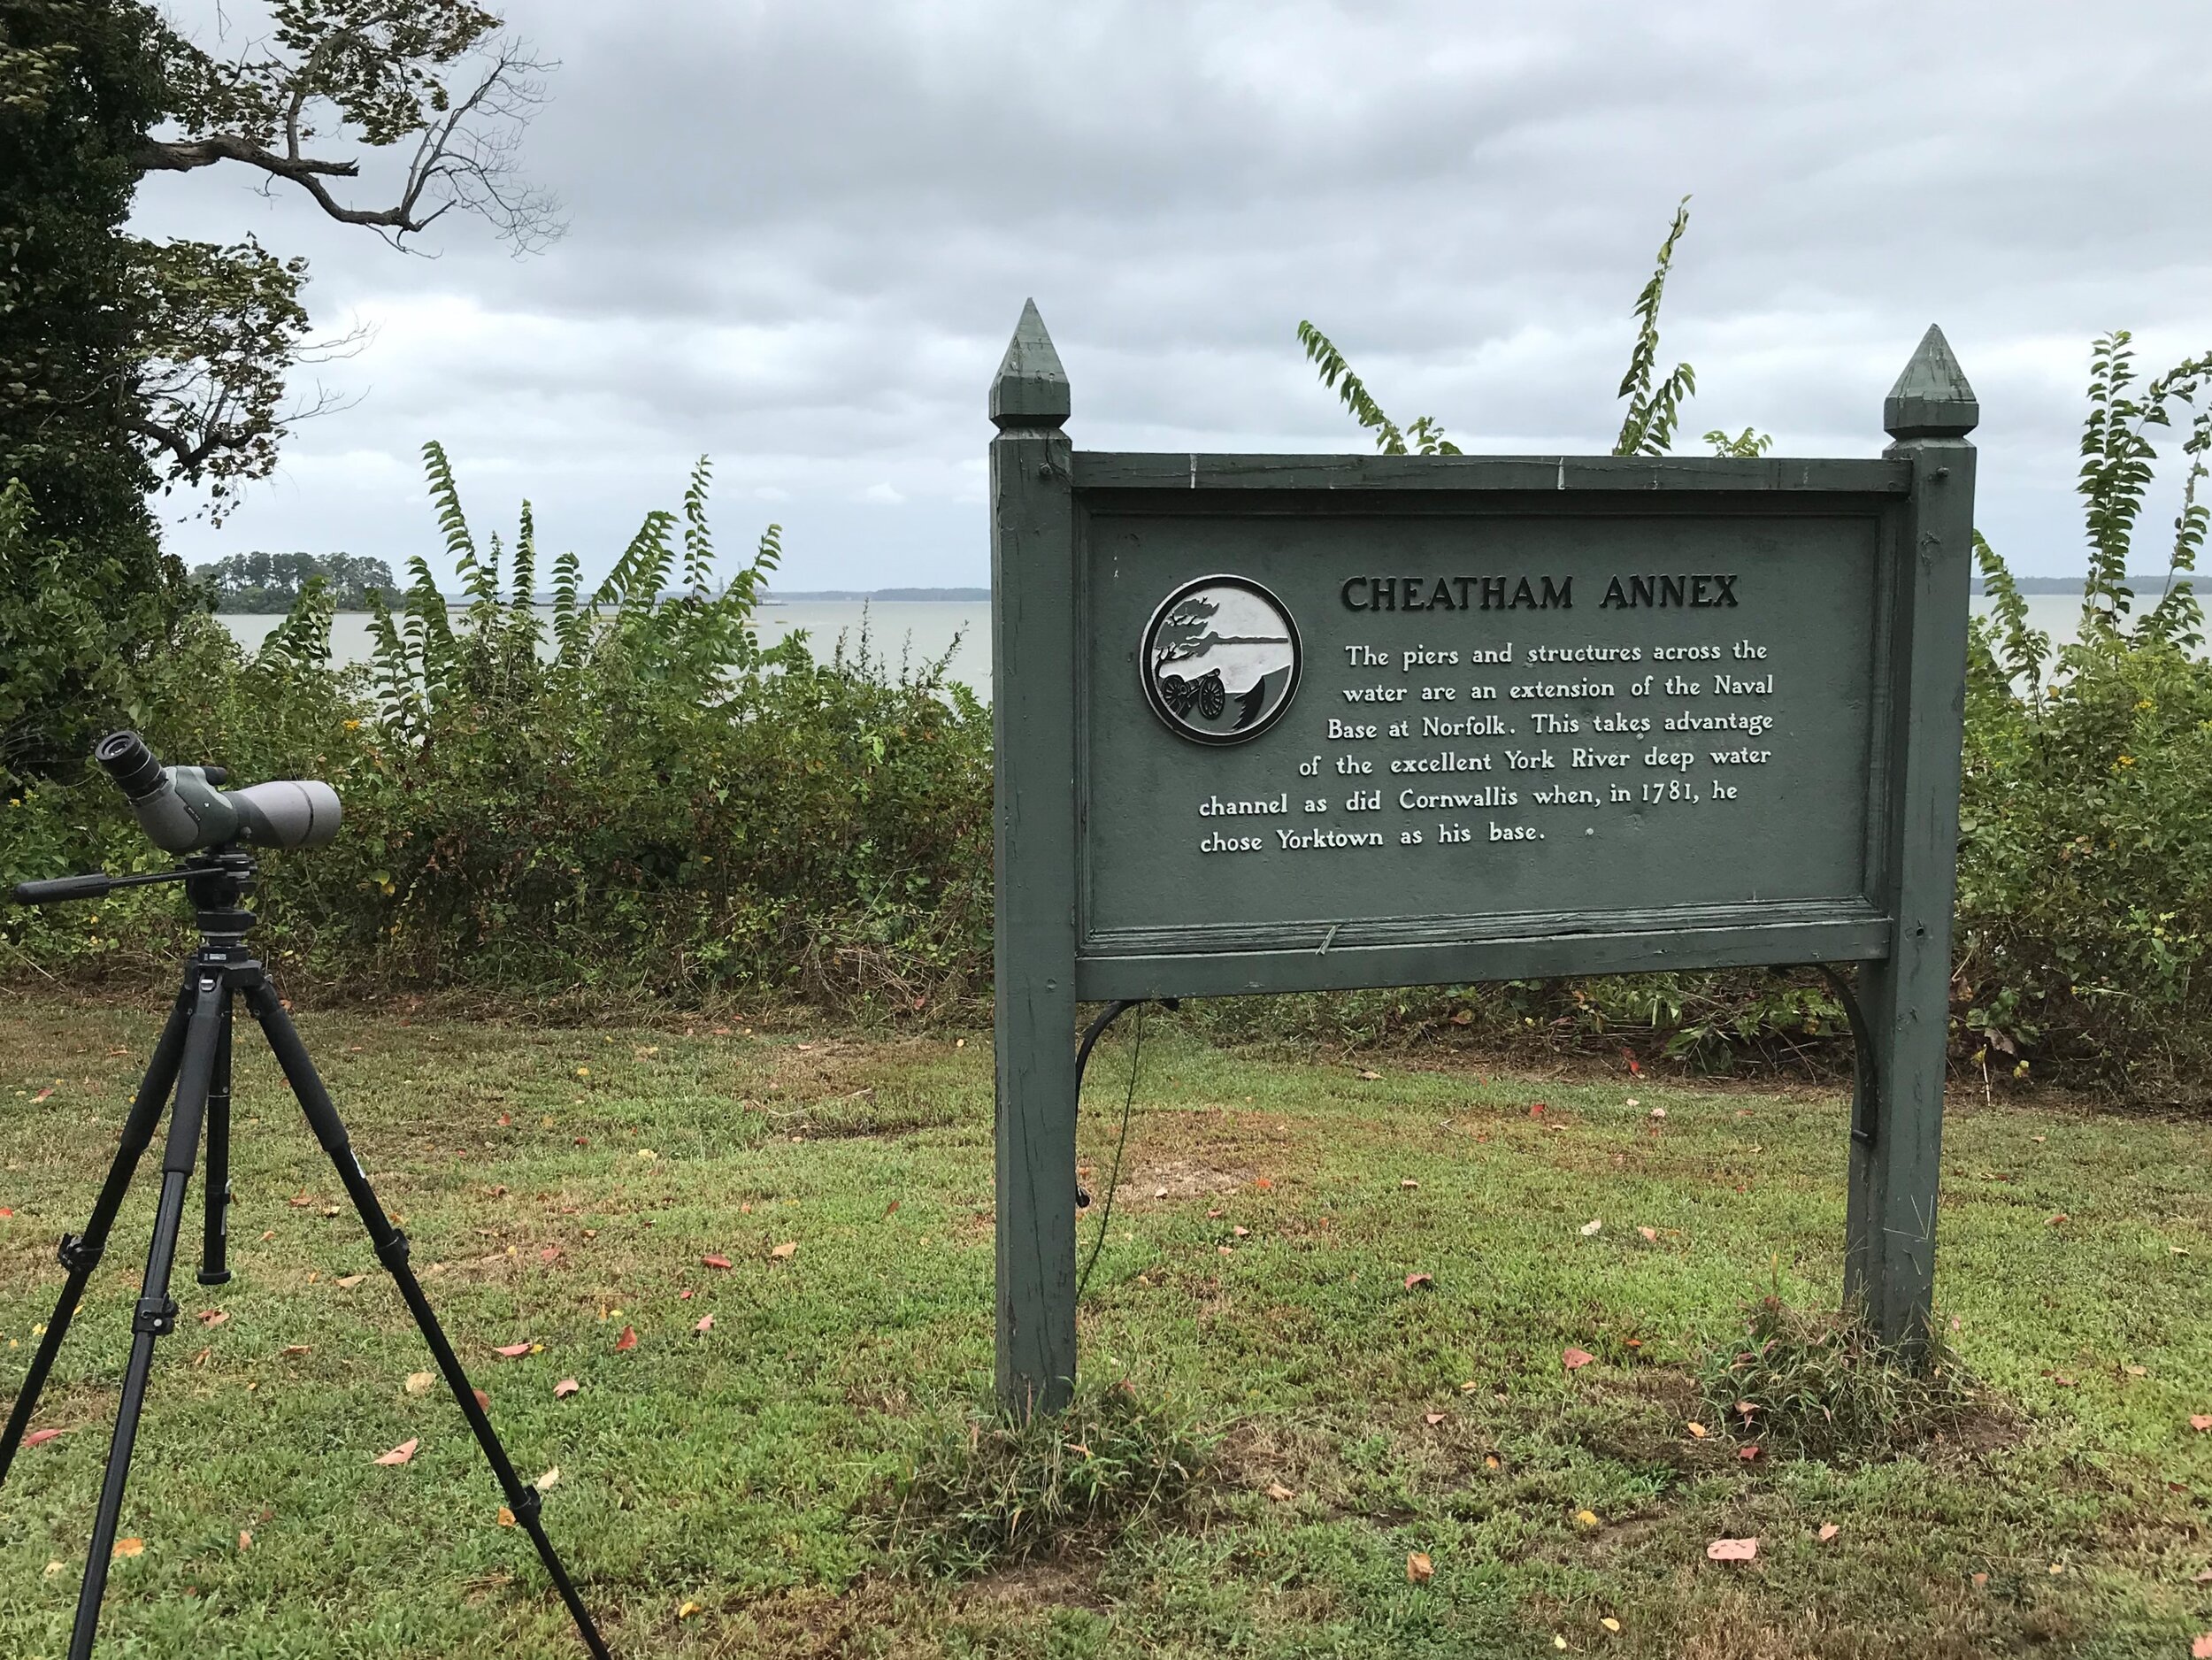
[[1033, 1585]]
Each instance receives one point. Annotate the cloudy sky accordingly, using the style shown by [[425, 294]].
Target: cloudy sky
[[800, 233]]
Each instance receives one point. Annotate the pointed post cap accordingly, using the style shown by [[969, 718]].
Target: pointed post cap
[[1031, 388], [1932, 398]]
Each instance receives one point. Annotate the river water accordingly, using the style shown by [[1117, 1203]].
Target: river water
[[918, 631], [897, 631]]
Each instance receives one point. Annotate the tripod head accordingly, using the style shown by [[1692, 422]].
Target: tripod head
[[217, 882]]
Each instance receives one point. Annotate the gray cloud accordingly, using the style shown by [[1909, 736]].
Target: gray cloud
[[800, 236]]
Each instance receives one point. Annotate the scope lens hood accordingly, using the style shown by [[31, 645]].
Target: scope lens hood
[[130, 763]]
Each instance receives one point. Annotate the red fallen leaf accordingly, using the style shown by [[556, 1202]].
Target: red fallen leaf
[[2055, 1220], [39, 1437], [2201, 1421], [401, 1453], [1748, 1453], [43, 1094], [565, 1387], [512, 1351], [504, 1120], [890, 1207], [627, 1341], [551, 1254], [1828, 1531], [1536, 1111], [2061, 1380], [1419, 1279], [483, 1401], [1731, 1550], [4, 1212], [1262, 1182], [1634, 1070], [1980, 1579], [299, 1202], [1651, 1235], [2200, 1648], [715, 1261], [1577, 1357], [684, 1296], [706, 1323], [1432, 1419]]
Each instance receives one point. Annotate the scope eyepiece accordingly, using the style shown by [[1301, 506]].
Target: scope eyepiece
[[130, 763], [182, 809]]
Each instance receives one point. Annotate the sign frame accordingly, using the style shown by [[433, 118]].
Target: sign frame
[[1045, 498]]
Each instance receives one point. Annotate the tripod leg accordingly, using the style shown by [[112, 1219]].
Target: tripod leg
[[156, 1315], [391, 1250], [215, 1226], [80, 1253]]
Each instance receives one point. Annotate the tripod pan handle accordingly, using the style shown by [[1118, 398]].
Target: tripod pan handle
[[53, 891]]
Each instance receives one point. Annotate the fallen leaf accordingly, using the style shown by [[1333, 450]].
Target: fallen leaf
[[1419, 1569], [291, 1349], [552, 1254], [506, 1517], [299, 1202], [1412, 1280], [1262, 1183], [785, 1250], [1370, 1075], [706, 1323], [1749, 1453], [213, 1316], [1159, 1192], [1433, 1419], [2137, 1371], [1698, 1429], [1657, 1113], [1408, 1181], [1577, 1357], [2202, 1648], [714, 1260], [1490, 1461], [2055, 1220], [2201, 1421], [483, 1401], [421, 1382], [1241, 1233], [1980, 1579], [550, 1479], [2204, 1576], [1828, 1531], [2065, 1382], [565, 1387], [1586, 1520], [130, 1547], [890, 1207], [42, 1093], [688, 1610], [512, 1351], [627, 1341], [401, 1453], [1651, 1235], [245, 1539], [1277, 1491], [346, 1282], [39, 1437], [1590, 1228], [1732, 1550], [1610, 1623]]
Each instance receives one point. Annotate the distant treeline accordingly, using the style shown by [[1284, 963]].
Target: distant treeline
[[2149, 582], [977, 594], [273, 583]]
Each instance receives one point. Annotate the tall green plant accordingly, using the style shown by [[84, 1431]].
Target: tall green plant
[[1648, 426]]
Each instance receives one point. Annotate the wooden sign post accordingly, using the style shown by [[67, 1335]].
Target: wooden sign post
[[1297, 723]]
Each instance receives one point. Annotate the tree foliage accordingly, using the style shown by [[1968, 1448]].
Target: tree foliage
[[85, 590]]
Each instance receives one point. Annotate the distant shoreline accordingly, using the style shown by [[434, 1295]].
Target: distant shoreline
[[901, 595]]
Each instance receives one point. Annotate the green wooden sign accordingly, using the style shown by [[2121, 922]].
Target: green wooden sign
[[1293, 723]]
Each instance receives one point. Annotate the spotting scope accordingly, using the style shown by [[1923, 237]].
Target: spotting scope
[[185, 808]]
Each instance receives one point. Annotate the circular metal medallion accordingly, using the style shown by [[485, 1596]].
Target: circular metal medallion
[[1220, 660]]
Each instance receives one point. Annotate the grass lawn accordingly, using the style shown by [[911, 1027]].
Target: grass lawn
[[563, 1184]]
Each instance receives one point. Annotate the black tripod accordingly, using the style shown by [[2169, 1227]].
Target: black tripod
[[194, 1056]]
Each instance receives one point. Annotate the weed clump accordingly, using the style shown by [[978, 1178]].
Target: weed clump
[[1810, 1385], [991, 1490]]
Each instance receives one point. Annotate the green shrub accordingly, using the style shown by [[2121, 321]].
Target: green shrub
[[639, 797]]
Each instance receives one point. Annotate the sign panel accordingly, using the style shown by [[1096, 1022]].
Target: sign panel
[[1290, 723], [1477, 722]]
